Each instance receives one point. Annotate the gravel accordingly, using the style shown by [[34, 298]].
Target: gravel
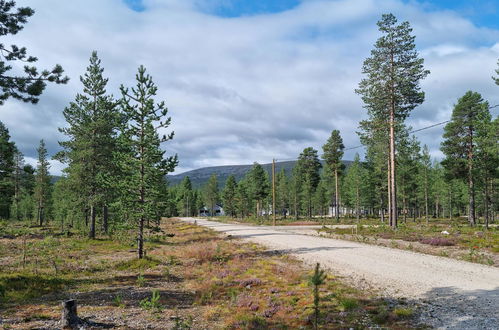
[[453, 294]]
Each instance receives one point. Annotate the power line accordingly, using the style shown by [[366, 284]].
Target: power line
[[413, 131]]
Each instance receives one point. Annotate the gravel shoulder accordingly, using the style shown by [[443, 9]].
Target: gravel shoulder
[[455, 294]]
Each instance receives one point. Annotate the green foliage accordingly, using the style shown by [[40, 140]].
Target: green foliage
[[138, 264], [317, 279], [259, 185], [469, 115], [92, 120], [211, 193], [7, 152], [153, 303], [307, 176], [140, 157], [229, 196], [42, 184], [183, 323], [31, 84]]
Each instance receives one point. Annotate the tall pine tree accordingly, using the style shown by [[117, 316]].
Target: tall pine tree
[[333, 152], [391, 90]]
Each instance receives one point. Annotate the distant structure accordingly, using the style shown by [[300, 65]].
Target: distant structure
[[206, 212]]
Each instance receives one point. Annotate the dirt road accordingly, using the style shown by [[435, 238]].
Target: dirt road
[[456, 294]]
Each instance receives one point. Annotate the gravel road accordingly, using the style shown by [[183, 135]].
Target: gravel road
[[454, 294]]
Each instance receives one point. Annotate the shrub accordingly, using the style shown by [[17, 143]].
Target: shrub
[[403, 312], [153, 303]]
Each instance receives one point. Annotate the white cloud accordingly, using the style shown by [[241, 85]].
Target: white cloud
[[248, 88]]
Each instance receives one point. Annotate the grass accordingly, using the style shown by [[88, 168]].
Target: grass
[[217, 282], [441, 233]]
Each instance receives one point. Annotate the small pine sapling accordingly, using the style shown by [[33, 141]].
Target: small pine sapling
[[318, 278]]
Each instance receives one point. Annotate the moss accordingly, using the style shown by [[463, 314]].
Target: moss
[[18, 288], [138, 264]]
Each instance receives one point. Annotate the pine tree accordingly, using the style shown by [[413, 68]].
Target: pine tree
[[185, 195], [229, 196], [333, 152], [140, 157], [426, 167], [211, 193], [282, 193], [308, 168], [487, 154], [243, 203], [7, 165], [42, 184], [391, 88], [93, 122], [354, 179], [258, 186], [29, 86], [460, 142]]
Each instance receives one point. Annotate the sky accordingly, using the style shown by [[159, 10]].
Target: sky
[[251, 80]]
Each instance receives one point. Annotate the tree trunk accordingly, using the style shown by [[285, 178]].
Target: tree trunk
[[426, 195], [357, 200], [337, 195], [393, 187], [69, 315], [91, 232], [140, 239], [471, 188], [105, 218]]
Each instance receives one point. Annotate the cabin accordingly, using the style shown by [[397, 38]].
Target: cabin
[[206, 211]]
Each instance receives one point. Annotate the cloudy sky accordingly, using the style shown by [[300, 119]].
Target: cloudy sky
[[249, 80]]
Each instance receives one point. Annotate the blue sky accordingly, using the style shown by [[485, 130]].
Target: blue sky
[[249, 81], [482, 12]]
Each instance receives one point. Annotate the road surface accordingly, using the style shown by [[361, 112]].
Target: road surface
[[455, 294]]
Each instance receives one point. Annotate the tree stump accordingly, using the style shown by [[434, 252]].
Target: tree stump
[[69, 315]]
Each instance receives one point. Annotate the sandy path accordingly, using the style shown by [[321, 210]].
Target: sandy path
[[456, 294]]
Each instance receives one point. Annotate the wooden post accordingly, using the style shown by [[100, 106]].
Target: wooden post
[[273, 193], [69, 314]]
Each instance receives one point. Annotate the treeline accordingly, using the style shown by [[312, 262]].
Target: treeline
[[115, 171], [397, 178]]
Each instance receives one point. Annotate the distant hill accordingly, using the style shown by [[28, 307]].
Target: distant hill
[[201, 175]]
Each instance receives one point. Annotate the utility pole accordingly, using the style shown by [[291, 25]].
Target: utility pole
[[273, 192]]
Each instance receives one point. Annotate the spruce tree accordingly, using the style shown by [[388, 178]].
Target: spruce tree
[[7, 165], [140, 157], [229, 196], [391, 90], [460, 143], [308, 166], [333, 152], [42, 184], [93, 121], [29, 85]]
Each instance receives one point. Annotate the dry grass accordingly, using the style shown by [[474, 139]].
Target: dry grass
[[202, 280]]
